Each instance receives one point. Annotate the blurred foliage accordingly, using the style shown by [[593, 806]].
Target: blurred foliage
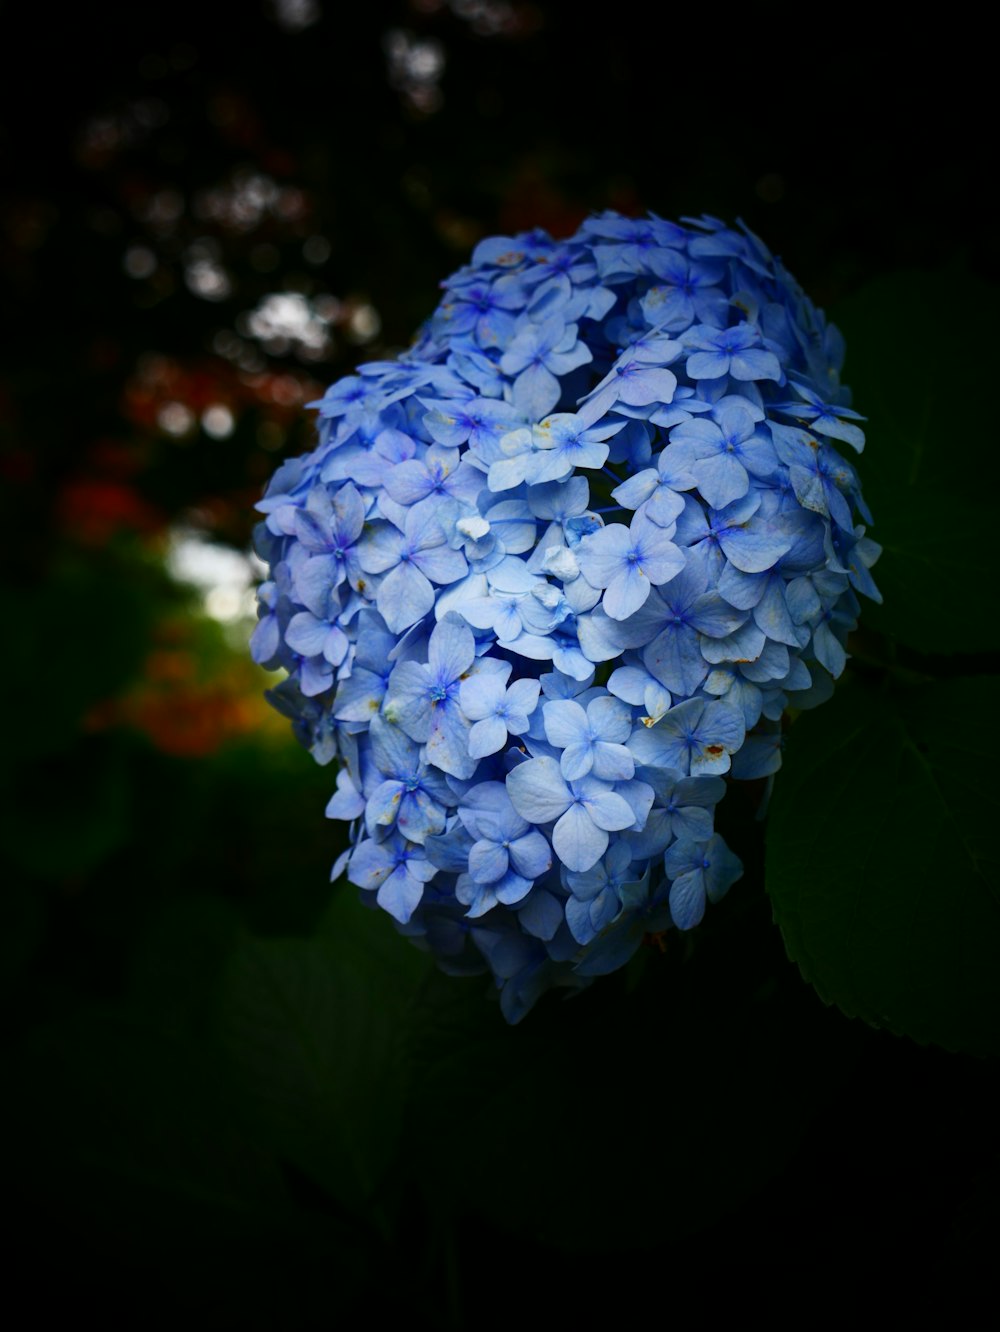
[[231, 1085], [899, 920], [930, 465]]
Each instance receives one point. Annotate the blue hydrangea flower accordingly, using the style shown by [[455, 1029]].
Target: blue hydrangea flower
[[549, 580]]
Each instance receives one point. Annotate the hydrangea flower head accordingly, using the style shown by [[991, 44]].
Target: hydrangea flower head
[[552, 577]]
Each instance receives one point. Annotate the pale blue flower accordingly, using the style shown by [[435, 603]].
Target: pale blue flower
[[627, 562]]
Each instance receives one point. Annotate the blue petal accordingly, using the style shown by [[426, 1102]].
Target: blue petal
[[530, 855], [452, 650], [400, 894], [576, 839], [404, 597], [487, 737], [488, 862], [687, 899], [538, 791]]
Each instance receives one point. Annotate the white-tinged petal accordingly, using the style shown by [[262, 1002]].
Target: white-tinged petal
[[577, 840], [538, 791]]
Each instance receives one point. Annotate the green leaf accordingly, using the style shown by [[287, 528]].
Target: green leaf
[[125, 1147], [118, 1119], [53, 824], [313, 1030], [24, 920], [104, 607], [612, 1122], [929, 466], [178, 959], [882, 858]]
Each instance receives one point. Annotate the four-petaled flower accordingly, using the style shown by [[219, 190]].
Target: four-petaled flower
[[627, 562], [584, 812]]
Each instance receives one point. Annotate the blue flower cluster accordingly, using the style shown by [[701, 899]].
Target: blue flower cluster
[[552, 573]]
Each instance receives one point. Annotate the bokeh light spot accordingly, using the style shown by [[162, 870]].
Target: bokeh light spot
[[217, 421]]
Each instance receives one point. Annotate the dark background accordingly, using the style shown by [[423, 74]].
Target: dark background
[[166, 174]]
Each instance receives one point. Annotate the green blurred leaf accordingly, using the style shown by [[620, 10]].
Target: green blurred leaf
[[68, 813], [313, 1030], [929, 468], [620, 1121], [177, 963], [127, 1162], [83, 631], [882, 858], [119, 1119], [24, 920]]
